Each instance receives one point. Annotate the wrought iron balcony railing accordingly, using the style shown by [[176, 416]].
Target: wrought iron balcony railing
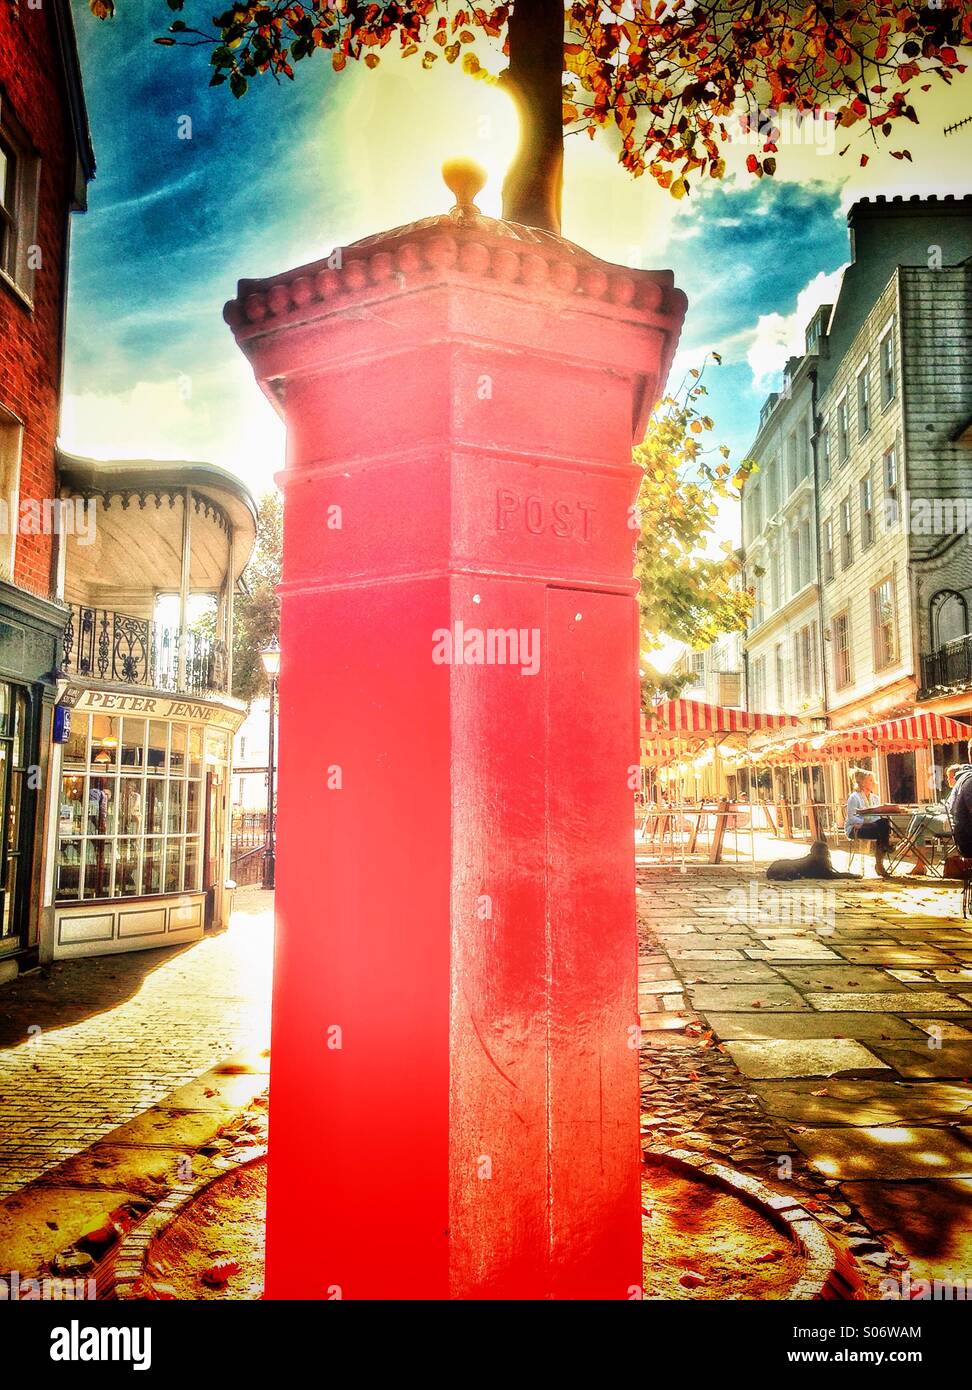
[[949, 668], [115, 647]]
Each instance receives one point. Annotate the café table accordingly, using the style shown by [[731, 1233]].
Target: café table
[[907, 838]]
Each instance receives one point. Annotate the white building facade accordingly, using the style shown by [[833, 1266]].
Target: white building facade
[[783, 643], [860, 559]]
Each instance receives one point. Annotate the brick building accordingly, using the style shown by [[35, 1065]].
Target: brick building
[[46, 160]]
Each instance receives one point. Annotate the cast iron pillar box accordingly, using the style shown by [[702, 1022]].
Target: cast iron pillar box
[[454, 1065]]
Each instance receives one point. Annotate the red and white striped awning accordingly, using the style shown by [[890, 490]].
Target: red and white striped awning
[[893, 736], [692, 718], [913, 731]]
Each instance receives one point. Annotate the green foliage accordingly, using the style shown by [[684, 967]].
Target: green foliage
[[257, 608], [687, 593]]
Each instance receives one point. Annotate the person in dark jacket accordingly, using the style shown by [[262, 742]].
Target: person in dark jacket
[[960, 810]]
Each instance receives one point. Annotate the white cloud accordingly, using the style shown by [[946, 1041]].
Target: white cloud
[[778, 337], [217, 418]]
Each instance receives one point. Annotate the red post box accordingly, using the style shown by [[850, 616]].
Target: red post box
[[454, 1066]]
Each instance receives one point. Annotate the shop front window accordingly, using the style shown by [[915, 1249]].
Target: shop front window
[[97, 868], [152, 864], [130, 822]]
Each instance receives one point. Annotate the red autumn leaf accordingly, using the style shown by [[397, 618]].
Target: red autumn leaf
[[682, 65], [218, 1273]]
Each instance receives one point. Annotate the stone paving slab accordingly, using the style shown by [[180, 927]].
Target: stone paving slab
[[740, 972], [827, 978], [894, 1152], [874, 954], [753, 1026], [951, 975], [950, 1060], [791, 950], [663, 1021], [700, 941], [784, 1057], [934, 1001], [678, 955], [729, 998], [942, 1028], [870, 1102], [664, 986], [650, 973]]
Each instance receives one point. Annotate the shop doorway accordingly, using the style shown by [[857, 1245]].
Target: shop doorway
[[213, 839], [16, 808]]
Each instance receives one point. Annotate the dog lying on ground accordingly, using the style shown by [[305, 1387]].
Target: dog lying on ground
[[816, 864]]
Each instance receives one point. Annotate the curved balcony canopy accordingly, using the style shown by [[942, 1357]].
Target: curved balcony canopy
[[133, 547], [140, 529]]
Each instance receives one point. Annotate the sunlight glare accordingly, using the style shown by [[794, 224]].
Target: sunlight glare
[[419, 119]]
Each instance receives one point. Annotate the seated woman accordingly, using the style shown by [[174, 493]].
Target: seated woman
[[860, 827]]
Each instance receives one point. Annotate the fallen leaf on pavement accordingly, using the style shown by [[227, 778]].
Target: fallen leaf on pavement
[[219, 1273]]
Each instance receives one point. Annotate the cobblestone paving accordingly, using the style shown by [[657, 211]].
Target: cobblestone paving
[[99, 1040], [819, 1035]]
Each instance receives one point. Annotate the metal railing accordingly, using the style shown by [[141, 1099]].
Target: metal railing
[[948, 667], [104, 645], [248, 846]]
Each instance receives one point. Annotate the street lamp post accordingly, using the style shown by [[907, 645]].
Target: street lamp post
[[270, 656]]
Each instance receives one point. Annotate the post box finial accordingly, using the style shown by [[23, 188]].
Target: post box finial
[[465, 178]]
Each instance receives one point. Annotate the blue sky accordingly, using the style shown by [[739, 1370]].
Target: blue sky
[[291, 171]]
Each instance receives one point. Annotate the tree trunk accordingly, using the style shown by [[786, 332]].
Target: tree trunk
[[533, 187]]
